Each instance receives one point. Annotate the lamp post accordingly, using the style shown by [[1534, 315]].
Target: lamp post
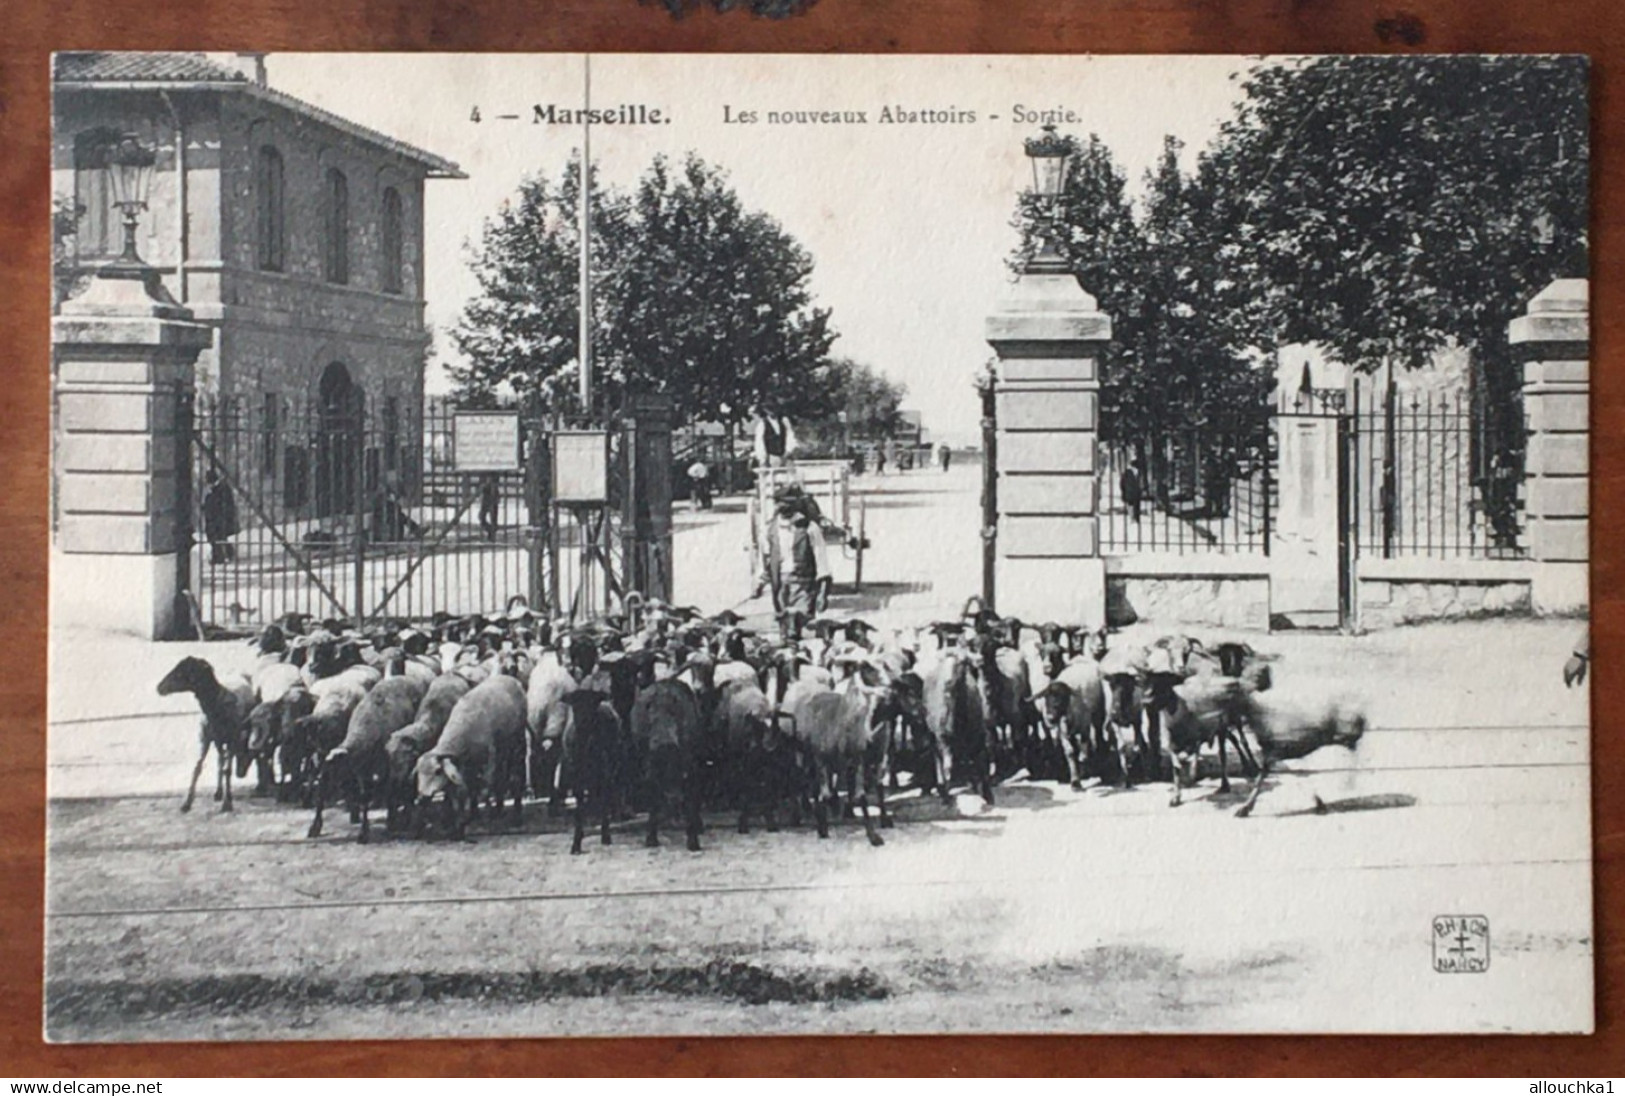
[[1041, 423], [1048, 153], [127, 284], [129, 177]]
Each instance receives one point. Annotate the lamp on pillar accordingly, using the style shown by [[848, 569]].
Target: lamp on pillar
[[1048, 153], [127, 285], [1040, 424], [129, 177]]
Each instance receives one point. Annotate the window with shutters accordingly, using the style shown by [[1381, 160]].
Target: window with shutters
[[270, 195], [394, 243], [336, 253]]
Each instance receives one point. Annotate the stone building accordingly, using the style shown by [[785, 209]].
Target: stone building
[[297, 235]]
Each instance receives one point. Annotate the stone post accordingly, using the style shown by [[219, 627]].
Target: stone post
[[1554, 343], [1049, 336], [123, 357]]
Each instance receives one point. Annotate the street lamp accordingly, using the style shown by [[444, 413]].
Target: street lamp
[[1049, 153], [129, 177]]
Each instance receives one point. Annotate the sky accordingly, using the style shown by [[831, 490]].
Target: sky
[[908, 224]]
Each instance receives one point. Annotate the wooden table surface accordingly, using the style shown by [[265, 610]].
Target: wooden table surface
[[34, 27]]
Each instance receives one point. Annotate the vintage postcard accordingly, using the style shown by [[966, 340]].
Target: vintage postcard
[[970, 544]]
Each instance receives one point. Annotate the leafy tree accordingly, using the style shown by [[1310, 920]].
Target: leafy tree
[[870, 401], [67, 276], [695, 296], [1158, 275], [1385, 208], [518, 338]]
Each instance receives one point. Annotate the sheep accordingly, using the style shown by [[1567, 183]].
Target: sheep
[[1287, 731], [668, 724], [225, 703], [272, 681], [312, 736], [482, 747], [1208, 707], [1073, 707], [759, 753], [545, 714], [361, 759], [271, 735], [412, 741], [593, 754], [845, 736], [956, 718]]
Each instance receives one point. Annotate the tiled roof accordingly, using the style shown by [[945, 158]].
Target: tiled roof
[[85, 67], [195, 68]]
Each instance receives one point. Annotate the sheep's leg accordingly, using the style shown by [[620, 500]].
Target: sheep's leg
[[1224, 765], [886, 822], [1153, 734], [820, 801], [1179, 781], [364, 799], [316, 822], [693, 787], [870, 781], [197, 771], [657, 796], [580, 820], [1069, 749], [1258, 785]]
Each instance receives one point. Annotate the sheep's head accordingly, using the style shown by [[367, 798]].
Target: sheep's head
[[437, 776], [1347, 727], [1051, 703], [1094, 644], [402, 752], [189, 673], [263, 723], [1123, 699]]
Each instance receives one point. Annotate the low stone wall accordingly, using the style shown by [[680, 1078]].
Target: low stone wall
[[1206, 590], [1393, 592]]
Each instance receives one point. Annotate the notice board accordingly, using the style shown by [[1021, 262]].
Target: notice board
[[485, 441]]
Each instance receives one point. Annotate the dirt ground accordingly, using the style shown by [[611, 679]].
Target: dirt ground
[[1104, 910]]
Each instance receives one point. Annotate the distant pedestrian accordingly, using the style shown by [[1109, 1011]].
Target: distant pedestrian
[[880, 460], [490, 503], [944, 456], [1133, 487], [891, 455], [219, 519], [699, 478]]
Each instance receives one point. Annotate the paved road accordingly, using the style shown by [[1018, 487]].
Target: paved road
[[1104, 910]]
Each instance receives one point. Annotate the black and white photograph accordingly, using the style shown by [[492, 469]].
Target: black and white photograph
[[663, 544]]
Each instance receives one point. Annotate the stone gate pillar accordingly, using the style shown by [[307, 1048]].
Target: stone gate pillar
[[1049, 336], [122, 361], [1554, 343]]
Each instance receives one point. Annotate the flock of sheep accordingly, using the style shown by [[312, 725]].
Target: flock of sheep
[[666, 707]]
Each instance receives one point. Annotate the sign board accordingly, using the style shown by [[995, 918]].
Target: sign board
[[580, 467], [485, 441]]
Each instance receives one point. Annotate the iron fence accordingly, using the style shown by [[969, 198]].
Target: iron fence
[[1199, 487], [1430, 480], [350, 509]]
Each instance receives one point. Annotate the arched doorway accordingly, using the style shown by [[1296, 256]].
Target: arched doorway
[[338, 441]]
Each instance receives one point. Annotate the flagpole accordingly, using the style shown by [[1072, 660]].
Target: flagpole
[[585, 217]]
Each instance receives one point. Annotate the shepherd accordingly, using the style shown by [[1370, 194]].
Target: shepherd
[[797, 563]]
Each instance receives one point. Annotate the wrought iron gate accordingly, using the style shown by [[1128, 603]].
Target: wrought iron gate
[[353, 509]]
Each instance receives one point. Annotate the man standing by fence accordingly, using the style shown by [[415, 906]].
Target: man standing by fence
[[490, 504]]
